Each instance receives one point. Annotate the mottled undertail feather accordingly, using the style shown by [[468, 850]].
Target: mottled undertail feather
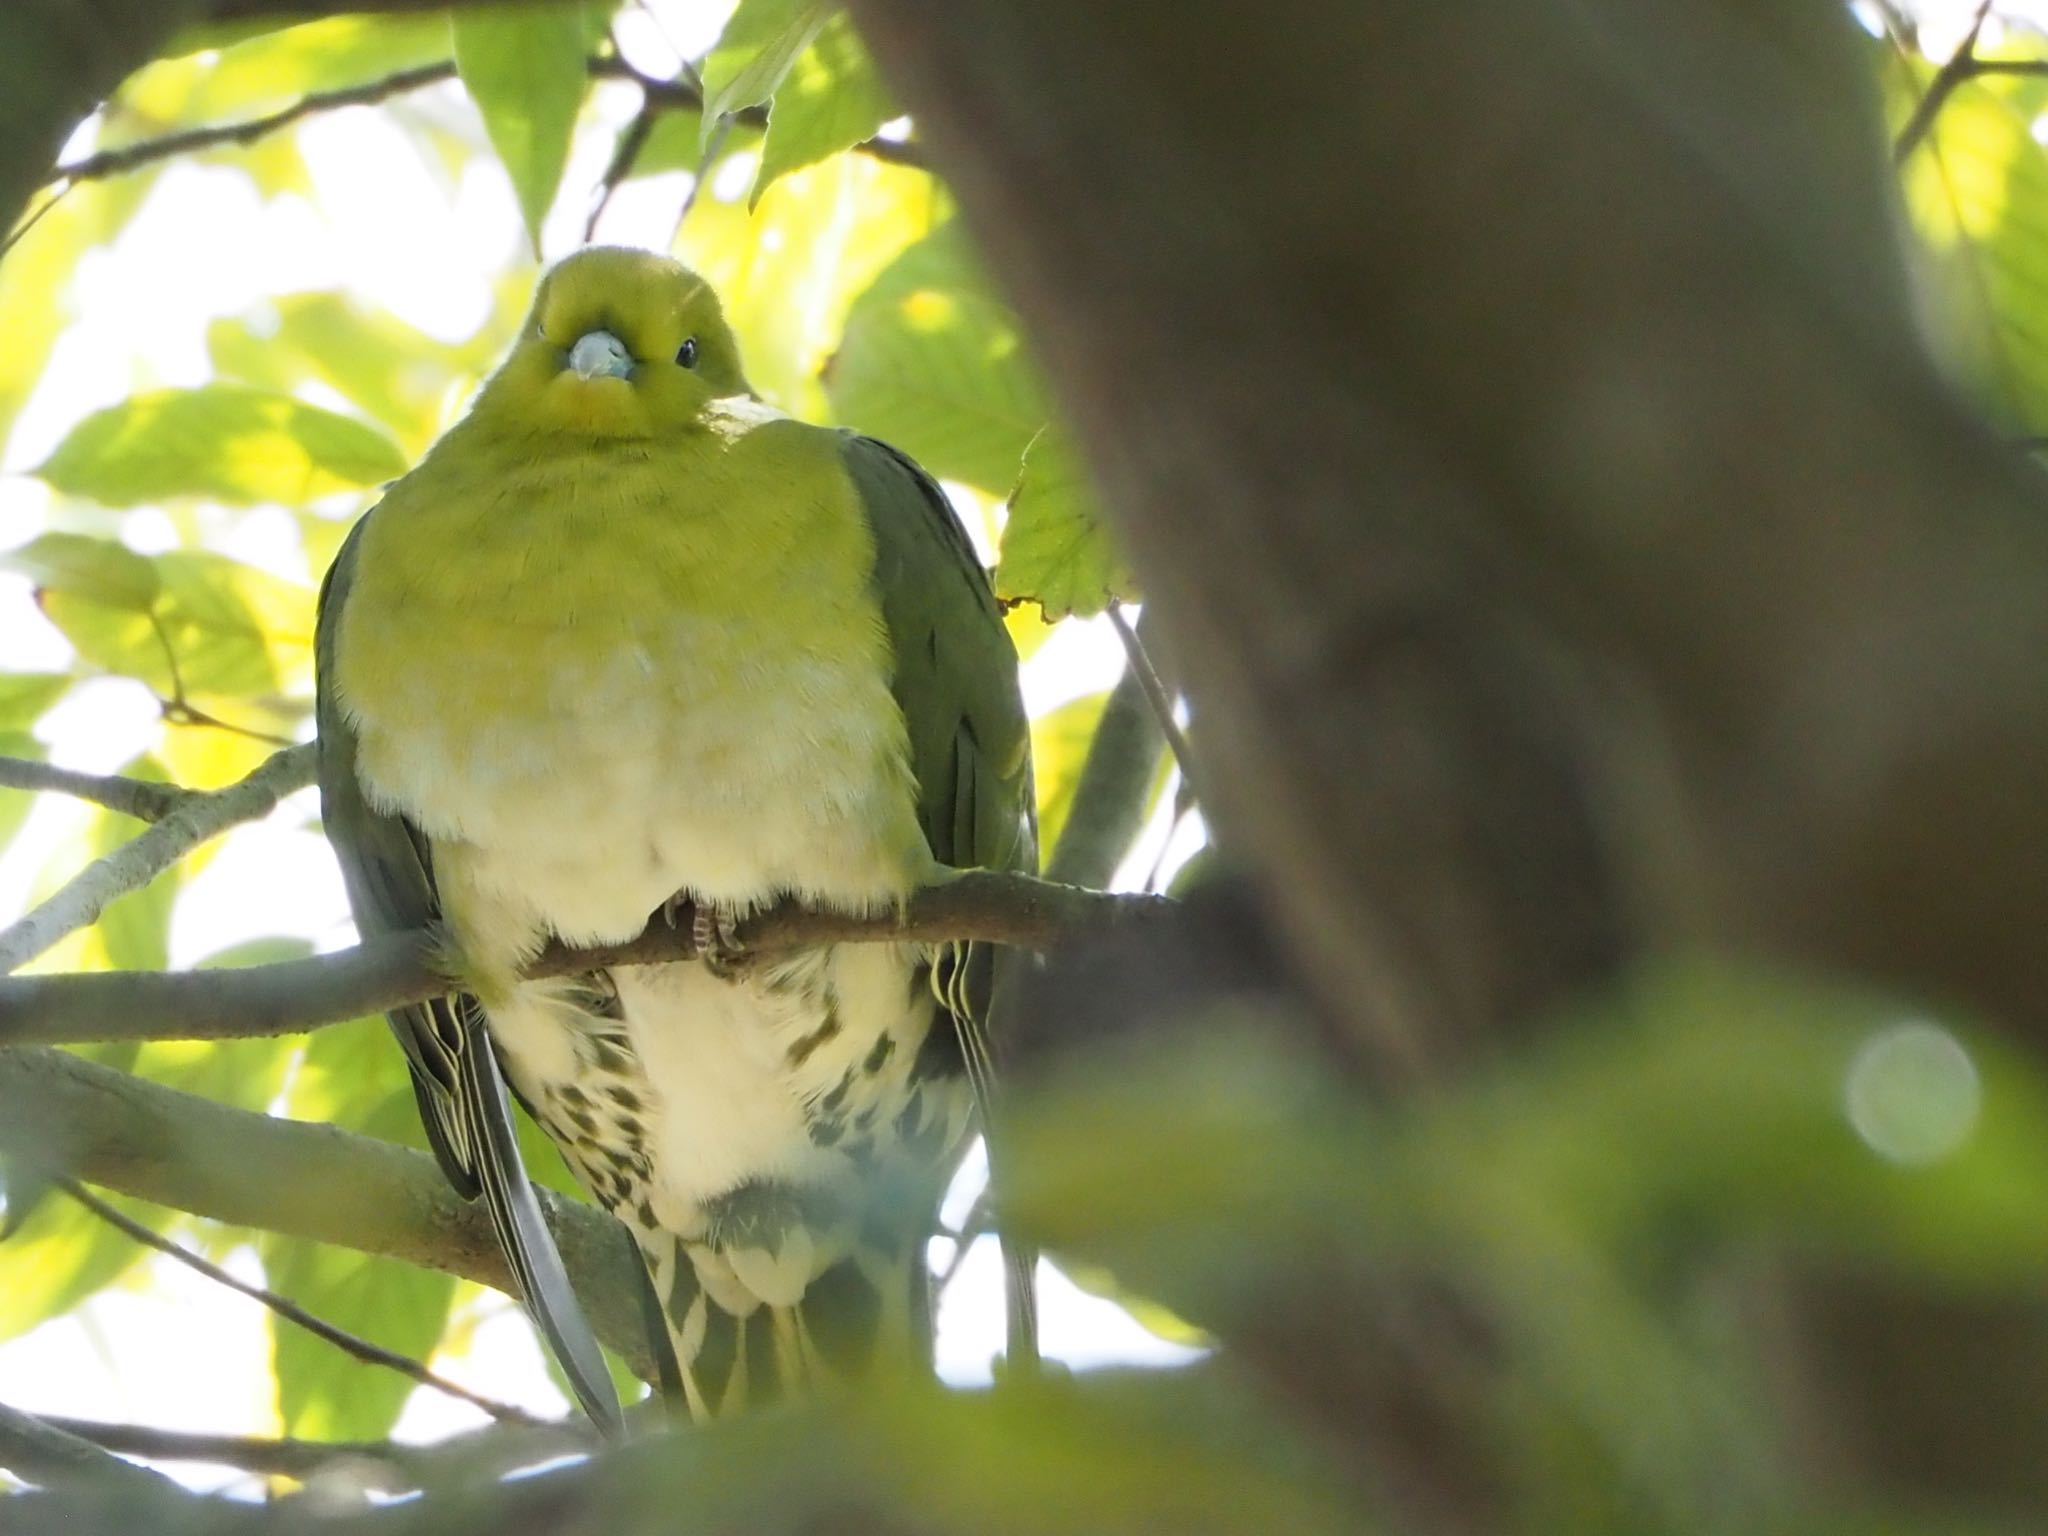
[[869, 1311]]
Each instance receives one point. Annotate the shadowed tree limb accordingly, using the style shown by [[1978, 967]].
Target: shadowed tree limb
[[40, 1452], [384, 1466], [71, 1116]]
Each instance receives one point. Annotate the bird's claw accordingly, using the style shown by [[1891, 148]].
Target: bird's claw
[[715, 936]]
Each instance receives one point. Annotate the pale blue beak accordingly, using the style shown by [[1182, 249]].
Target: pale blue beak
[[600, 354]]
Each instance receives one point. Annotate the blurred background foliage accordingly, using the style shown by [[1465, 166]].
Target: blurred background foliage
[[1628, 1214]]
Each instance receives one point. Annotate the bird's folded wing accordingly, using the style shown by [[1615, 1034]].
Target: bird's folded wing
[[387, 866]]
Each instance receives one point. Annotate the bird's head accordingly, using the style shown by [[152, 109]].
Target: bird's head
[[619, 343]]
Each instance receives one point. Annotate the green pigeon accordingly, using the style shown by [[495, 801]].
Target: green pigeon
[[629, 643]]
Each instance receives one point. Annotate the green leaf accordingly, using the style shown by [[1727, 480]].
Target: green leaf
[[830, 99], [352, 1075], [225, 441], [386, 368], [324, 1393], [1056, 550], [61, 1255], [36, 277], [759, 44], [524, 68], [216, 627], [230, 79], [25, 695], [1060, 739], [98, 570], [933, 362], [1974, 190]]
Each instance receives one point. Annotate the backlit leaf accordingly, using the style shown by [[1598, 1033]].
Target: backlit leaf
[[934, 363], [761, 40], [830, 99], [524, 68], [225, 441], [1057, 551]]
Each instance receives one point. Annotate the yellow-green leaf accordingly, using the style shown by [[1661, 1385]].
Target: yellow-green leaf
[[25, 695], [933, 362], [760, 42], [1056, 551], [830, 99], [98, 570], [1059, 746], [389, 369], [524, 68], [224, 441], [215, 627]]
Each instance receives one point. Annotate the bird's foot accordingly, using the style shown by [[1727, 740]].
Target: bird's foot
[[714, 934]]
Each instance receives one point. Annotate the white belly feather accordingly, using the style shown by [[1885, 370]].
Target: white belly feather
[[643, 780]]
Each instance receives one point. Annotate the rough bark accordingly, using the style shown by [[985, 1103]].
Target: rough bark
[[1420, 344]]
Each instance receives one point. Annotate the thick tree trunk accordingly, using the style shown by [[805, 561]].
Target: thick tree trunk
[[1478, 383]]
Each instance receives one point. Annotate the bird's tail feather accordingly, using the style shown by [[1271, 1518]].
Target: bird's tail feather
[[515, 1212], [868, 1311]]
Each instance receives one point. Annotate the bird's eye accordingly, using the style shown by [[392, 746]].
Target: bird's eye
[[686, 354]]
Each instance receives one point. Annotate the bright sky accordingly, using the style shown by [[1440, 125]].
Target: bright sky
[[174, 1349]]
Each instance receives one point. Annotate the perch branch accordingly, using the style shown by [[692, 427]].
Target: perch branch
[[395, 969]]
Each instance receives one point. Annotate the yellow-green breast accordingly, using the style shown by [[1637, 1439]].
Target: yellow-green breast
[[599, 672]]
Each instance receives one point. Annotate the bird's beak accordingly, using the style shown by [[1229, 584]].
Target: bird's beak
[[600, 354]]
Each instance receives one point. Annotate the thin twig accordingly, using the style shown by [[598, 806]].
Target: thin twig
[[632, 139], [28, 223], [131, 157], [1115, 788], [661, 95], [395, 969], [1157, 692], [134, 864], [981, 1217], [1963, 65], [683, 93], [131, 797], [51, 1456], [182, 712], [348, 1343]]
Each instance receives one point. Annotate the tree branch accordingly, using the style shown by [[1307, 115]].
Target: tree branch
[[1962, 65], [658, 96], [312, 1181], [139, 798], [360, 1348], [395, 969], [41, 1452], [186, 141], [1157, 694], [133, 865]]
